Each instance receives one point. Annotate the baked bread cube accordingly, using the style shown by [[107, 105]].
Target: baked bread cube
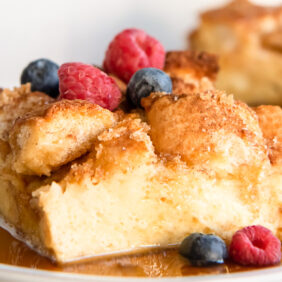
[[16, 103], [209, 129], [56, 134], [191, 71], [248, 41], [13, 105]]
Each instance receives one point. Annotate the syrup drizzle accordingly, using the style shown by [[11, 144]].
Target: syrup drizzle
[[155, 263]]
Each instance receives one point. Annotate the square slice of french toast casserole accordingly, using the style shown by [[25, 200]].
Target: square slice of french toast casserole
[[78, 180]]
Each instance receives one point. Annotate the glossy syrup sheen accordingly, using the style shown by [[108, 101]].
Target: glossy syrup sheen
[[156, 263]]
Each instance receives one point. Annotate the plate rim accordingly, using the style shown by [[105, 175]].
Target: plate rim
[[23, 273]]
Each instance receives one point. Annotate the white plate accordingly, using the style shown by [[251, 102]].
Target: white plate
[[12, 273], [92, 41]]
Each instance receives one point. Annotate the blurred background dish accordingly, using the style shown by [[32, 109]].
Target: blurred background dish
[[74, 30], [248, 41]]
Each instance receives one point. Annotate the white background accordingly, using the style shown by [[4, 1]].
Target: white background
[[80, 30]]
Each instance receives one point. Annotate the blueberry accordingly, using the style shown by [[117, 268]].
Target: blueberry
[[203, 249], [144, 82], [43, 75]]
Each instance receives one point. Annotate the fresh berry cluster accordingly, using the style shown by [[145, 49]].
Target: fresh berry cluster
[[252, 245], [132, 55]]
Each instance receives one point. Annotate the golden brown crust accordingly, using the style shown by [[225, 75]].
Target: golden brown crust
[[270, 121], [57, 133], [48, 111], [117, 148], [191, 71], [12, 96], [241, 11], [16, 103], [180, 86], [205, 128], [273, 40], [197, 64]]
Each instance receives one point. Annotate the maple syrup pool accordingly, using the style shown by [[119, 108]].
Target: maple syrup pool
[[155, 263]]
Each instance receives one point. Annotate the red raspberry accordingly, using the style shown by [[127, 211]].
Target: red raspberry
[[255, 245], [131, 50], [85, 82]]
